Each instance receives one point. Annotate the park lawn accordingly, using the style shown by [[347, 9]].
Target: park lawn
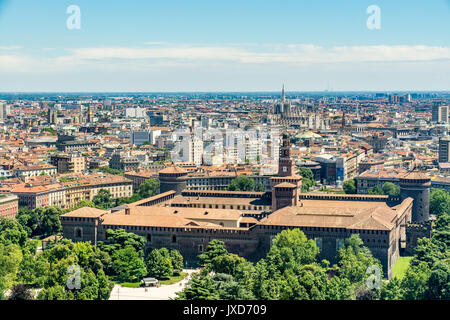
[[401, 266], [130, 284], [173, 279]]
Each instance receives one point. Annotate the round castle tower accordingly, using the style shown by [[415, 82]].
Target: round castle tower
[[417, 186], [173, 178]]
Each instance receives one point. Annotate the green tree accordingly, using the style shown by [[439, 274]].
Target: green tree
[[354, 259], [392, 290], [350, 186], [50, 223], [81, 204], [177, 261], [307, 178], [111, 171], [338, 289], [376, 190], [259, 187], [148, 189], [10, 259], [95, 285], [12, 232], [159, 263], [307, 184], [291, 249], [214, 249], [438, 283], [29, 219], [119, 238], [103, 199], [32, 270], [242, 183], [227, 263], [415, 281], [53, 293], [201, 287], [391, 189], [306, 173], [227, 288], [128, 265], [439, 202]]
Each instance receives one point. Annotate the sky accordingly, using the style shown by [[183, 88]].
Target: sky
[[224, 45]]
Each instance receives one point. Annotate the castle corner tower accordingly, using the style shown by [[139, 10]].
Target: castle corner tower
[[417, 186]]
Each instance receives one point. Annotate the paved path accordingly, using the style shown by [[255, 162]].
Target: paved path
[[165, 292]]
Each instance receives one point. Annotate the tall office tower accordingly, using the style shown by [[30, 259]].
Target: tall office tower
[[394, 98], [52, 116], [3, 111], [440, 113], [444, 149], [206, 122], [90, 114], [108, 103]]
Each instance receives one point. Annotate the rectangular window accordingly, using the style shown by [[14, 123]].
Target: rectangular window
[[318, 243], [339, 244]]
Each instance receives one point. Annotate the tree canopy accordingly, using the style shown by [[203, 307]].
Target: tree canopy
[[350, 186], [242, 183]]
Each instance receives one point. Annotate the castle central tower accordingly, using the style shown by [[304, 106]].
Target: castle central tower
[[286, 187]]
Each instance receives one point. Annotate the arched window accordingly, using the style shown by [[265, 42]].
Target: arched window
[[78, 233], [174, 238]]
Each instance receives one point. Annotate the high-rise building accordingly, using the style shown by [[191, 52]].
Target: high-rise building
[[440, 113], [52, 116], [4, 110], [90, 114], [138, 138], [192, 150], [135, 112], [444, 149]]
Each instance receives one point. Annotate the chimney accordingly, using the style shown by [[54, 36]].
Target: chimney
[[127, 211]]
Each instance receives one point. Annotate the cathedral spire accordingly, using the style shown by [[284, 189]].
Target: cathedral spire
[[283, 95]]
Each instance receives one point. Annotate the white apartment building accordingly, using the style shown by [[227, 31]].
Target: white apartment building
[[192, 150]]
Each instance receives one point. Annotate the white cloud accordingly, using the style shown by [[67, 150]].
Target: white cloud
[[291, 53], [169, 55], [8, 48]]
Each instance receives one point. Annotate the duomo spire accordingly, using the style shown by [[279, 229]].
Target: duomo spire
[[283, 95]]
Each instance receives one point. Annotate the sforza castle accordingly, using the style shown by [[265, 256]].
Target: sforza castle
[[247, 222]]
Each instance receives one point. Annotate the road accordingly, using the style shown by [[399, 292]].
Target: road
[[165, 292]]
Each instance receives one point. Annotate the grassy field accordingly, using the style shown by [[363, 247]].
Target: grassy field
[[174, 279], [401, 266], [130, 284]]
